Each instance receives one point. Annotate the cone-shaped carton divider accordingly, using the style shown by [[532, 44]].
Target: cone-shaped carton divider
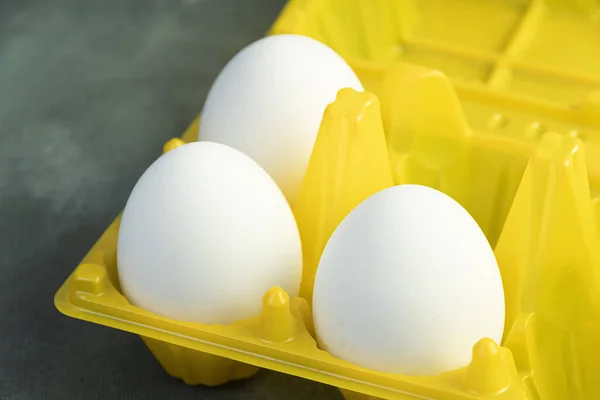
[[548, 254], [348, 164]]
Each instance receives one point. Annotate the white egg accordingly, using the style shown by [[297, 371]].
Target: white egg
[[204, 234], [407, 284], [269, 100]]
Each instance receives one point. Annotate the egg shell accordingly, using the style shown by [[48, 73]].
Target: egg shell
[[407, 284], [268, 102], [204, 234]]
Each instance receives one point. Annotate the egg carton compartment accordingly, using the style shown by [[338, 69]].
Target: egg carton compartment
[[536, 200], [537, 54], [474, 149]]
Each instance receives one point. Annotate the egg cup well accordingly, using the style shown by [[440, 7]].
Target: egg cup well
[[521, 154]]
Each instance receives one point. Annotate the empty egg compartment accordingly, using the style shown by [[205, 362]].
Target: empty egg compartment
[[475, 149], [541, 55]]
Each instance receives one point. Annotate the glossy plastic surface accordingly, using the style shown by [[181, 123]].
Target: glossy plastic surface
[[510, 129], [541, 54], [348, 164]]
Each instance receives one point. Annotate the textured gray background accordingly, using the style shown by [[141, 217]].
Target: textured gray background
[[89, 92]]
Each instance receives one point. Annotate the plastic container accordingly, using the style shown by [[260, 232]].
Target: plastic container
[[510, 129]]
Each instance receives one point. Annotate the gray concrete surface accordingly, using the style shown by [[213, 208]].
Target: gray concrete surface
[[89, 92]]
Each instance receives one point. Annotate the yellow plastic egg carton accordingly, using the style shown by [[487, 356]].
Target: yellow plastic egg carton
[[510, 128]]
